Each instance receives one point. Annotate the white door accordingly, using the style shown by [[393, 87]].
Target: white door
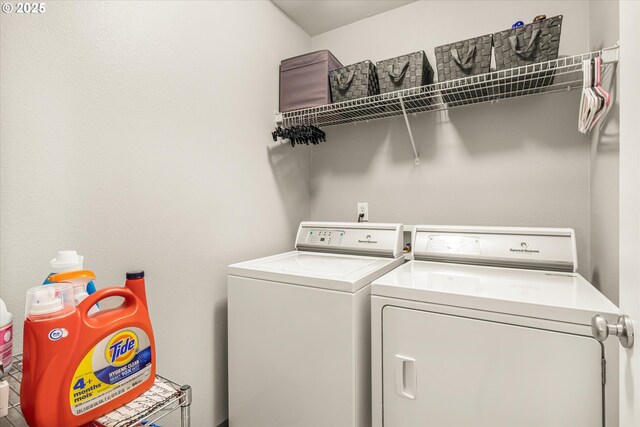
[[630, 206], [443, 370]]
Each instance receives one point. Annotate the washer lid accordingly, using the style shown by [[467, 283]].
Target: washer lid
[[339, 272], [550, 295]]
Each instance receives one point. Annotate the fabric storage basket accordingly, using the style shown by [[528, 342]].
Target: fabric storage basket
[[462, 59], [404, 72], [354, 81], [538, 41], [304, 80]]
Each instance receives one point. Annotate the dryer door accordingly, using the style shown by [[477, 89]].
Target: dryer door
[[443, 370]]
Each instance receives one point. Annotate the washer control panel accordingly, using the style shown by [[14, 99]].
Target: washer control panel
[[370, 239], [324, 237]]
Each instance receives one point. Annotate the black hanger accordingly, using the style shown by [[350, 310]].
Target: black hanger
[[300, 134]]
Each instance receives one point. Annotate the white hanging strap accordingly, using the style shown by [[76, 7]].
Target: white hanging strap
[[589, 100], [598, 100], [599, 113], [584, 99], [593, 102]]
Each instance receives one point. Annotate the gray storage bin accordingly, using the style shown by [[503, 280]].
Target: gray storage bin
[[535, 42], [404, 72], [304, 80], [538, 41], [462, 59], [354, 81]]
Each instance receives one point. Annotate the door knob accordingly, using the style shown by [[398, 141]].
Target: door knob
[[623, 329]]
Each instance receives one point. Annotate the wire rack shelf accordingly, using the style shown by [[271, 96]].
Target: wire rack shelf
[[160, 408], [558, 75]]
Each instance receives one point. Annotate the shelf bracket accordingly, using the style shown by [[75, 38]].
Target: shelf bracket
[[406, 119], [610, 55]]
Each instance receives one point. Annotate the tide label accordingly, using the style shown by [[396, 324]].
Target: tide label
[[117, 364]]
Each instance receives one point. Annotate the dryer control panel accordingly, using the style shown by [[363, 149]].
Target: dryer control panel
[[516, 247], [371, 239]]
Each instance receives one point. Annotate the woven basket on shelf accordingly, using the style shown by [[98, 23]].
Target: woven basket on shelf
[[535, 42], [354, 81], [462, 59], [404, 72]]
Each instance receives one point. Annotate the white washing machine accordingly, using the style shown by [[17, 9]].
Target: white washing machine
[[299, 327], [491, 327]]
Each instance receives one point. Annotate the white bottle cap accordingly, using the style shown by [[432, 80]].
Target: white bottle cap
[[67, 261], [5, 316], [49, 299], [79, 294], [44, 301]]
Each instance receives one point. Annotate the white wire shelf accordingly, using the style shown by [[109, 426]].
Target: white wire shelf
[[558, 75], [181, 399]]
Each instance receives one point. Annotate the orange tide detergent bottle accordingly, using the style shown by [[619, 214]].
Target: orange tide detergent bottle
[[79, 366]]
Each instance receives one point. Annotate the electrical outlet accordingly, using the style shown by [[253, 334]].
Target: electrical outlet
[[363, 209]]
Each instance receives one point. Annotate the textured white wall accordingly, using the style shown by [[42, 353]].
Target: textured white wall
[[604, 31], [136, 133], [519, 162]]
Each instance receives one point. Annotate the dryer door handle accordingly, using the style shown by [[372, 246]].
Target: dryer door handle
[[405, 368], [601, 329]]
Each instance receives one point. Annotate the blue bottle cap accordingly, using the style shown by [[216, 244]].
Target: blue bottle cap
[[135, 274]]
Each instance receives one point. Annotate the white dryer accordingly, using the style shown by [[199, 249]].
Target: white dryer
[[491, 327], [299, 327]]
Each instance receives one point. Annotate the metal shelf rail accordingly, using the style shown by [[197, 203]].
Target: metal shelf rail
[[180, 399], [563, 74]]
